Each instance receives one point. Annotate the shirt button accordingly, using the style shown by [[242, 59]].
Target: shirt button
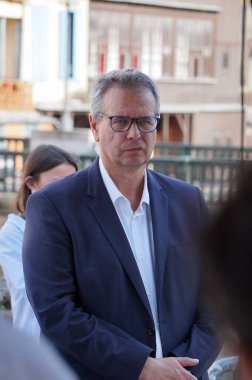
[[151, 331]]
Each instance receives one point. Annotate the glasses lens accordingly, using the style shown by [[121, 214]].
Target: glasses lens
[[147, 123], [120, 123]]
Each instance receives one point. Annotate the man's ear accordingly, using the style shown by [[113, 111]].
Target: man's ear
[[94, 127]]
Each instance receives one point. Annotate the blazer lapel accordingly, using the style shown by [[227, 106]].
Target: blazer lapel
[[160, 225], [104, 212]]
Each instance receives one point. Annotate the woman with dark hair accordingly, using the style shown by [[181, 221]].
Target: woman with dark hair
[[44, 164]]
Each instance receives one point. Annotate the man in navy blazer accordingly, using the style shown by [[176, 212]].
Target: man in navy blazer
[[110, 254]]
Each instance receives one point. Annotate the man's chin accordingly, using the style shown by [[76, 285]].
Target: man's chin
[[134, 163]]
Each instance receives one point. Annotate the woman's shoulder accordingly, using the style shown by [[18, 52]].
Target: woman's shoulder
[[11, 238], [12, 223]]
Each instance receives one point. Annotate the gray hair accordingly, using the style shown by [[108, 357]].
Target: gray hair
[[130, 79]]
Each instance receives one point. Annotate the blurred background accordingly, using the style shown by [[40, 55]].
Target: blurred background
[[198, 51]]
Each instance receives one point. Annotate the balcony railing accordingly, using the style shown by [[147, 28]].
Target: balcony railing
[[201, 151], [214, 176]]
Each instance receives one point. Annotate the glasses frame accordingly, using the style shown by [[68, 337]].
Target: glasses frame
[[132, 120]]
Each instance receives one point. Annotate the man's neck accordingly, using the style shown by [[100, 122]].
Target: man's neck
[[130, 182]]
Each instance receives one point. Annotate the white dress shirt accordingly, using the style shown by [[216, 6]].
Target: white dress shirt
[[138, 229], [11, 239]]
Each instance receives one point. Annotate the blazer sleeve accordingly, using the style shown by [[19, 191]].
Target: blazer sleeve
[[203, 342], [50, 282]]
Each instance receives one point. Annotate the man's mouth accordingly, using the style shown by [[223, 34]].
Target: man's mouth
[[134, 148]]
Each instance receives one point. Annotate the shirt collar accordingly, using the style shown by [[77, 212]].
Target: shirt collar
[[113, 190]]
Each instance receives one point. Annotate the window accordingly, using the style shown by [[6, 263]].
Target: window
[[228, 138], [120, 40], [250, 73], [152, 44], [109, 46], [67, 31], [225, 60], [216, 138], [194, 48], [10, 44], [159, 45]]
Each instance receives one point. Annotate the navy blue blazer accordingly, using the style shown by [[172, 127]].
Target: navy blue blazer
[[85, 287]]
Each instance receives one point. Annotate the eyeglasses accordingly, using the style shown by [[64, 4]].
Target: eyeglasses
[[145, 124]]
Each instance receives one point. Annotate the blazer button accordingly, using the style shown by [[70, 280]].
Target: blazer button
[[151, 331]]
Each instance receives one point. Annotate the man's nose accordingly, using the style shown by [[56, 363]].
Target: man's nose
[[133, 132]]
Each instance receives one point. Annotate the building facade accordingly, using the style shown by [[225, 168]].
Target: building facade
[[43, 47], [191, 48]]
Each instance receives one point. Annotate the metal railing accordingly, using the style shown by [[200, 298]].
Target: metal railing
[[14, 144], [161, 149], [11, 168], [214, 176], [201, 151]]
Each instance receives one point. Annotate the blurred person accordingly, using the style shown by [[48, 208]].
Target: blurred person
[[22, 359], [44, 164], [111, 268], [228, 265]]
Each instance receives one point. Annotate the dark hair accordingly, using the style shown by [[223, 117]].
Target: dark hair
[[41, 159], [228, 261], [131, 79]]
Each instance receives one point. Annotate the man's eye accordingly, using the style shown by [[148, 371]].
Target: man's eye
[[120, 120], [145, 121]]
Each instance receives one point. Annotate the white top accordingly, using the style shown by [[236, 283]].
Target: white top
[[11, 240], [138, 229]]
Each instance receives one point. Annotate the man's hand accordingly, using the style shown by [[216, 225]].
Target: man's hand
[[168, 369]]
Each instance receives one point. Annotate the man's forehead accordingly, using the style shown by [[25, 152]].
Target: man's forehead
[[127, 99], [124, 89]]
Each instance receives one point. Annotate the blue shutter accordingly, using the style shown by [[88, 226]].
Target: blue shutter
[[75, 44], [67, 30]]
